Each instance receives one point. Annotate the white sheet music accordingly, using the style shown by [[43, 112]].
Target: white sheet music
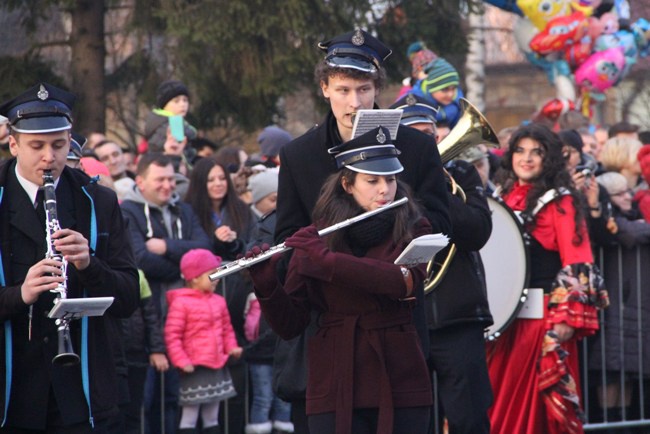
[[367, 120], [75, 308], [422, 249]]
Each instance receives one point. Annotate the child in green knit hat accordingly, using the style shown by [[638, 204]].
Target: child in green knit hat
[[441, 88]]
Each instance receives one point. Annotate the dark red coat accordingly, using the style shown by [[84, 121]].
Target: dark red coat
[[366, 353]]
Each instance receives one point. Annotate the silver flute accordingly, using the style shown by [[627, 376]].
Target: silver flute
[[240, 264], [66, 355]]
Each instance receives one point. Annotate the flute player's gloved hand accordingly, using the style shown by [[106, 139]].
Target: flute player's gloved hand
[[263, 273], [312, 256]]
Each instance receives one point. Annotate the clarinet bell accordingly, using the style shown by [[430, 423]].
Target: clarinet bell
[[66, 359], [66, 356]]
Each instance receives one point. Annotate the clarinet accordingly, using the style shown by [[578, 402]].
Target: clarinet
[[66, 355]]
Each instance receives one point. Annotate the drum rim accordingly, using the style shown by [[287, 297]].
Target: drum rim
[[491, 337]]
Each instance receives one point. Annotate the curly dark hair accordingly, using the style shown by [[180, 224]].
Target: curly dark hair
[[335, 205], [554, 173]]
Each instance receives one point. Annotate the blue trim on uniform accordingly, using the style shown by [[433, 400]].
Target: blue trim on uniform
[[85, 375], [8, 341], [93, 222], [9, 367]]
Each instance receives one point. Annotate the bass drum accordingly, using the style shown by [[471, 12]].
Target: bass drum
[[506, 261]]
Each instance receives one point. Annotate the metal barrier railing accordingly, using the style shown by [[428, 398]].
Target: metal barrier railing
[[613, 374]]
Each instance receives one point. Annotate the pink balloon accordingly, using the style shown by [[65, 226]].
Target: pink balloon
[[601, 70]]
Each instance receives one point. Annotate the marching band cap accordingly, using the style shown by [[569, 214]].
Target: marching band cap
[[41, 109], [416, 110], [77, 142], [372, 153], [355, 50]]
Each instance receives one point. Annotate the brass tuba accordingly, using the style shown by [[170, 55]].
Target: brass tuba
[[472, 129]]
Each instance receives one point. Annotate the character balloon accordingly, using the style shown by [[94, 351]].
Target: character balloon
[[601, 70]]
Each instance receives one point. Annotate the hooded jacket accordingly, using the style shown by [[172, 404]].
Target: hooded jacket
[[175, 223]]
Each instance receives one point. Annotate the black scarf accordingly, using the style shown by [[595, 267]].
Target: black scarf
[[369, 232]]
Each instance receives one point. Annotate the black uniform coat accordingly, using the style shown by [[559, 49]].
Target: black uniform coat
[[112, 272], [457, 311], [461, 296]]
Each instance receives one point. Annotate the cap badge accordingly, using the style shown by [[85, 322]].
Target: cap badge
[[357, 38], [410, 100], [381, 137], [42, 94]]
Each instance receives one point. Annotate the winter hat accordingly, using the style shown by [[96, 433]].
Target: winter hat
[[440, 75], [169, 90], [271, 139], [262, 184], [644, 160], [414, 48], [198, 261]]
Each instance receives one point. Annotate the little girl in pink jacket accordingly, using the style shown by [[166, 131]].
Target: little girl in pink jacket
[[199, 339]]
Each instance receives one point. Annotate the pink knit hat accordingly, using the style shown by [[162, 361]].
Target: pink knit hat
[[198, 261]]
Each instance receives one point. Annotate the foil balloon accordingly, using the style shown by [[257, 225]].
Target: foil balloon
[[601, 70], [622, 8], [609, 23], [540, 12], [560, 33], [556, 107], [641, 30], [524, 31], [623, 39], [578, 53]]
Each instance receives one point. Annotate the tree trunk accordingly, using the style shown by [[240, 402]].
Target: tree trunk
[[87, 68], [475, 63]]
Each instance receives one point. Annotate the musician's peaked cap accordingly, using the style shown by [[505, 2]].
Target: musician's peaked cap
[[77, 143], [416, 110], [355, 50], [372, 153], [41, 109]]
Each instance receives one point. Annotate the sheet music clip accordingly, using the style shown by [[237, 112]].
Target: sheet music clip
[[366, 120], [75, 308]]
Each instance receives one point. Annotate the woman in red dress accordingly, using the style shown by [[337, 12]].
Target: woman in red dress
[[533, 366]]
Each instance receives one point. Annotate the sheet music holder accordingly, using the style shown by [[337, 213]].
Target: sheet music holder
[[422, 249], [75, 308], [366, 120]]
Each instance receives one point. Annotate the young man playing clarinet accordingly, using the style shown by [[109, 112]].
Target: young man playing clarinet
[[39, 396]]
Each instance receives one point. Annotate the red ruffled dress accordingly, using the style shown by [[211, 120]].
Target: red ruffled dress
[[534, 378]]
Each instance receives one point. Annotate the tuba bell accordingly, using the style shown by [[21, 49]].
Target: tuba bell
[[472, 129]]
